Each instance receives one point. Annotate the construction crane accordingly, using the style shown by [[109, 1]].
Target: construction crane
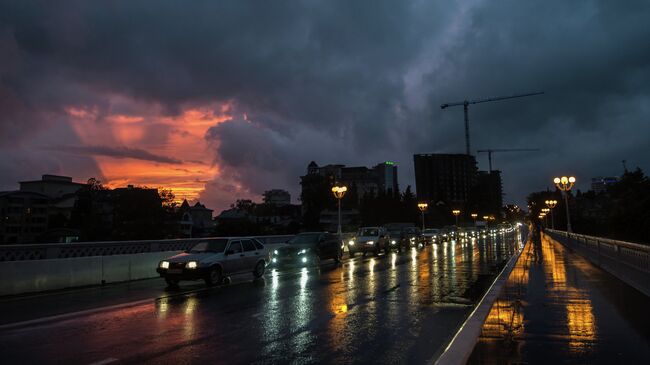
[[466, 103], [490, 151]]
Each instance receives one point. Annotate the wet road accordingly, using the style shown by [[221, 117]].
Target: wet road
[[394, 308], [558, 307]]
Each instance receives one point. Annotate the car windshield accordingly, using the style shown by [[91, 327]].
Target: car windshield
[[302, 239], [210, 246], [368, 232]]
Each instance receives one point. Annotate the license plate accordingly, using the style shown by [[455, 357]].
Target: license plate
[[174, 271]]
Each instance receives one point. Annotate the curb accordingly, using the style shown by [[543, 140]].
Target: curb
[[462, 344]]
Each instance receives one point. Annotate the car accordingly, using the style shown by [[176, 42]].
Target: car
[[370, 239], [395, 234], [431, 235], [412, 237], [213, 259], [308, 248]]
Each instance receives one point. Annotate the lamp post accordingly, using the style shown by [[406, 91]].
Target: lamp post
[[565, 184], [474, 215], [545, 211], [423, 207], [551, 204], [456, 213], [339, 191]]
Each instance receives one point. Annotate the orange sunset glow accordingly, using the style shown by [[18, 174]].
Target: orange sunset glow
[[180, 159]]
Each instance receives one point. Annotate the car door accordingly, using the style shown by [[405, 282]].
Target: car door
[[330, 246], [234, 261], [251, 255]]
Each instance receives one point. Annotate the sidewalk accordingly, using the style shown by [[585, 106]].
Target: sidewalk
[[557, 307]]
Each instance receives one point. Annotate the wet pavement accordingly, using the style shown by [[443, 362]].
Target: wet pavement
[[396, 308], [557, 307]]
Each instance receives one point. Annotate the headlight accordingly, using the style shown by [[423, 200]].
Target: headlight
[[351, 242], [275, 252], [371, 242], [192, 265], [392, 242], [304, 259], [164, 264], [302, 252], [274, 260]]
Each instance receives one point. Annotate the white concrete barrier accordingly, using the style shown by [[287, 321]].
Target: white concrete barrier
[[19, 277]]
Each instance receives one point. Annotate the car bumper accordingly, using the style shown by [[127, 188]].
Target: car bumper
[[362, 247], [290, 261], [183, 274]]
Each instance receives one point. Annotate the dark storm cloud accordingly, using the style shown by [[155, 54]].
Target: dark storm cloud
[[350, 82], [117, 152]]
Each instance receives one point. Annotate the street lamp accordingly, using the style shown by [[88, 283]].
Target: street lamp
[[339, 191], [423, 207], [456, 212], [551, 204], [565, 184], [545, 213], [474, 215]]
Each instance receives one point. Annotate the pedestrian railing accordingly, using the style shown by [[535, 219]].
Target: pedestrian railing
[[27, 252], [632, 254]]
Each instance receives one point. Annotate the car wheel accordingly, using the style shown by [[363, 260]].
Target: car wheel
[[215, 277], [259, 269], [351, 254], [339, 256], [376, 252], [172, 283]]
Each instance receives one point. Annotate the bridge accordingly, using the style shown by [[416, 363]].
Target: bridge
[[509, 297]]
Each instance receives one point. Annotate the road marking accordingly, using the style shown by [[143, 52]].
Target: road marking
[[105, 361], [87, 312]]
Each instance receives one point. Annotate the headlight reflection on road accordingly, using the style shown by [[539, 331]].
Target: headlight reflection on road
[[274, 279], [393, 259], [351, 272], [371, 266], [304, 276], [414, 257]]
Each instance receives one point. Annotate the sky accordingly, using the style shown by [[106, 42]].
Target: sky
[[220, 100]]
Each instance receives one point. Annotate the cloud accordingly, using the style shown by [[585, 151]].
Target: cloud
[[117, 152], [336, 82]]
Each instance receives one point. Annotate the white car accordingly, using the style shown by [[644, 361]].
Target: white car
[[215, 258], [431, 235]]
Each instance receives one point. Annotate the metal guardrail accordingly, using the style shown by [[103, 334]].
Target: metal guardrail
[[632, 254], [44, 251], [27, 252]]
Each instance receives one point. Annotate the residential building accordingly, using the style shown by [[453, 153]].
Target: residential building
[[277, 197], [381, 177], [195, 220], [445, 178], [24, 216], [53, 186]]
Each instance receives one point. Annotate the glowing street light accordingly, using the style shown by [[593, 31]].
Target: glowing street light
[[339, 192], [456, 213], [565, 184], [423, 207], [551, 204]]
